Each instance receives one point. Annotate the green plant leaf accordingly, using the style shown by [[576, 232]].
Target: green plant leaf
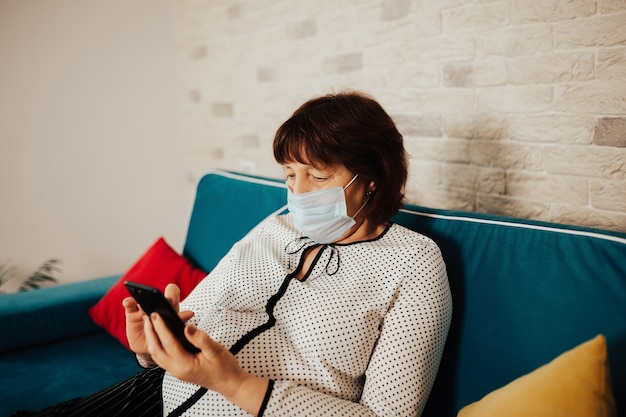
[[43, 274], [7, 272]]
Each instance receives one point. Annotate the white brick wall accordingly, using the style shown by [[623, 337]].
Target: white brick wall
[[514, 107]]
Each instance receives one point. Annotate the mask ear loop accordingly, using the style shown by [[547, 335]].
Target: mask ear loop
[[351, 181], [368, 195]]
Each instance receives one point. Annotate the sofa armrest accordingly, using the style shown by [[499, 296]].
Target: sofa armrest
[[43, 315]]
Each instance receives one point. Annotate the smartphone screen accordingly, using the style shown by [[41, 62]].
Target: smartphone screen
[[152, 300]]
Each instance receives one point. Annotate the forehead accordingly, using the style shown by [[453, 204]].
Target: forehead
[[295, 165]]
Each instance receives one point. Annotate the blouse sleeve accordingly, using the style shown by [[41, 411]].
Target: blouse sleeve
[[201, 297], [404, 364]]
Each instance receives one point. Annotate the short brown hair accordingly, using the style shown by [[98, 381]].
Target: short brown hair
[[351, 129]]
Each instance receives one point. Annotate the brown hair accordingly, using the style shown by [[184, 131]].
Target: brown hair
[[351, 129]]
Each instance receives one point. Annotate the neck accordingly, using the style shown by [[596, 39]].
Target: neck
[[362, 230]]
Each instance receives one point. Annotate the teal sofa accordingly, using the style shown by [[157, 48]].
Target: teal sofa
[[523, 291]]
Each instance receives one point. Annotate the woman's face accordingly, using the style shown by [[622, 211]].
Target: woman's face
[[302, 178]]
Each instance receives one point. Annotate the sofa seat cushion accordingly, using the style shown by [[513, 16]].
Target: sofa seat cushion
[[59, 371]]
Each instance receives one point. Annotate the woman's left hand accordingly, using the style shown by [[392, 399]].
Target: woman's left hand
[[214, 367]]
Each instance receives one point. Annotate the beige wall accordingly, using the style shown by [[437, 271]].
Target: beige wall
[[91, 144], [515, 107]]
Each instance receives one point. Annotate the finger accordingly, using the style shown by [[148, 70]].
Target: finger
[[172, 293], [186, 315], [152, 339], [201, 340], [168, 341], [131, 308], [130, 305]]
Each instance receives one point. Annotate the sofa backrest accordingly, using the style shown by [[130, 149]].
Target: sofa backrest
[[524, 292], [227, 205]]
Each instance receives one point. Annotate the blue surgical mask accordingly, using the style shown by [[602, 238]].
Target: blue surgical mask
[[322, 215]]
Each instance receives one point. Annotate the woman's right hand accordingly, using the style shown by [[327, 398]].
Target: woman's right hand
[[135, 315], [134, 326]]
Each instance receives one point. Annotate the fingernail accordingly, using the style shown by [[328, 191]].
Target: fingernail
[[154, 316]]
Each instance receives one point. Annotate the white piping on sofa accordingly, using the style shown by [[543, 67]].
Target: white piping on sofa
[[520, 225]]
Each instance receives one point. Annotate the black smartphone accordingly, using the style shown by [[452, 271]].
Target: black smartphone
[[152, 300]]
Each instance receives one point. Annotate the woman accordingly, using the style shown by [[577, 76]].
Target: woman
[[330, 309]]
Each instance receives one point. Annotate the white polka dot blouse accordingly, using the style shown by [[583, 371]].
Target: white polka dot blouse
[[361, 334]]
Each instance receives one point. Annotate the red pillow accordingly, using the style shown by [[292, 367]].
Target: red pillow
[[158, 266]]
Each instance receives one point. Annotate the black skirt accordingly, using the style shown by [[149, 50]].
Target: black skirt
[[137, 396]]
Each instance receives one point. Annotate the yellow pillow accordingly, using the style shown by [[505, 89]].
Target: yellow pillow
[[575, 384]]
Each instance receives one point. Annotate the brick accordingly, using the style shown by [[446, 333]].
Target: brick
[[589, 217], [552, 128], [341, 20], [209, 152], [222, 109], [344, 63], [199, 52], [249, 11], [250, 140], [524, 11], [446, 48], [611, 6], [445, 101], [412, 76], [602, 97], [394, 9], [438, 149], [512, 207], [426, 23], [476, 16], [423, 172], [195, 95], [514, 41], [266, 74], [302, 29], [542, 187], [481, 126], [491, 180], [235, 11], [515, 99], [506, 155], [414, 125], [608, 194], [455, 175], [610, 131], [551, 68], [491, 71], [611, 64], [386, 57], [470, 177], [441, 198], [394, 55], [606, 30], [586, 161]]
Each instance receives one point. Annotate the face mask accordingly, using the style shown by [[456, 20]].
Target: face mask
[[322, 215]]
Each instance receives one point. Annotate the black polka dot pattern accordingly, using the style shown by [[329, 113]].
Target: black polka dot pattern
[[365, 339]]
